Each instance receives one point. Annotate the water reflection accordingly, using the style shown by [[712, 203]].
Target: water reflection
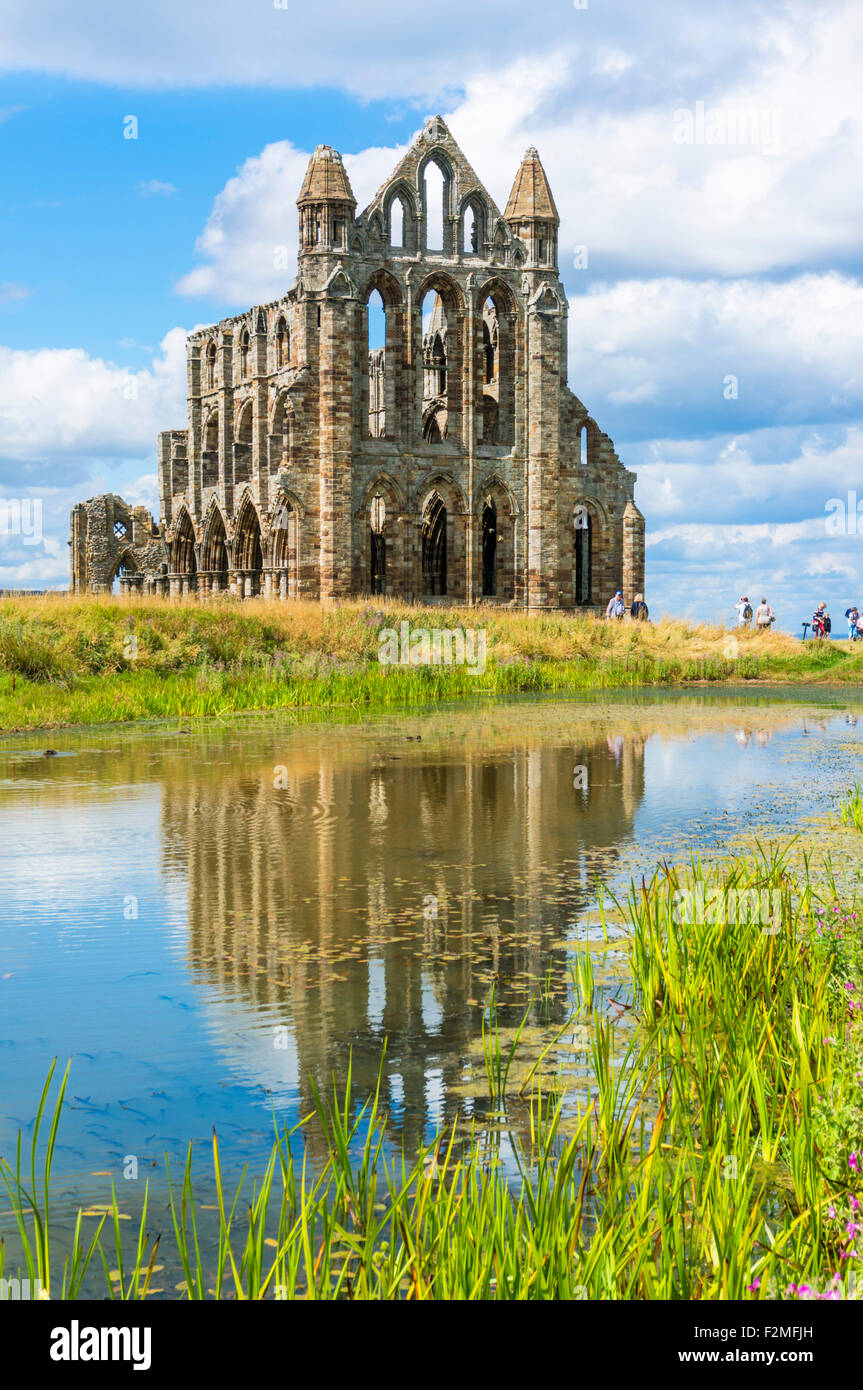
[[346, 903], [207, 921]]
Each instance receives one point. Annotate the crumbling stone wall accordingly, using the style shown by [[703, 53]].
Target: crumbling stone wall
[[452, 464], [111, 540]]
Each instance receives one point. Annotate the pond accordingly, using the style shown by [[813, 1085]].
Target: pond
[[206, 920]]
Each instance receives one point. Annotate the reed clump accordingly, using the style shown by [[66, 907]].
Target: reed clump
[[718, 1157]]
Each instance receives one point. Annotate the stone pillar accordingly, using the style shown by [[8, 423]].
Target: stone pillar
[[543, 450], [336, 385], [633, 553]]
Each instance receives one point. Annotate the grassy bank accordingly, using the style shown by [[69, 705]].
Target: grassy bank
[[720, 1157], [87, 661]]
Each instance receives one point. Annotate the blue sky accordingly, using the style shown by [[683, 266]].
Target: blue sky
[[715, 252]]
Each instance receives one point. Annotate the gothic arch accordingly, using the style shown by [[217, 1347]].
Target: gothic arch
[[214, 552], [379, 565], [244, 437], [284, 546], [210, 450], [495, 513], [478, 204], [183, 558], [441, 562], [401, 191], [282, 432], [247, 548], [387, 287]]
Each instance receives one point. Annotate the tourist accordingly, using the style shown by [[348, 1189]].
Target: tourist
[[639, 609], [853, 616], [743, 609], [764, 616], [820, 619], [615, 607]]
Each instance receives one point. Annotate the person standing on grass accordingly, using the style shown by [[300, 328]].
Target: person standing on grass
[[853, 616], [818, 624], [639, 609], [743, 609], [615, 607], [764, 616]]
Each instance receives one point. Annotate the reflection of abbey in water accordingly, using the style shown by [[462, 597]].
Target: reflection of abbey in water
[[439, 455], [376, 898]]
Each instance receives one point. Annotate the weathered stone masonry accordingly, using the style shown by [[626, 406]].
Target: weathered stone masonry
[[452, 463]]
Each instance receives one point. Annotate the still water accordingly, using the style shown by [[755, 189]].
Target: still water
[[206, 920]]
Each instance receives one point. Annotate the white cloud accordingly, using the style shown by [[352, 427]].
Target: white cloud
[[155, 187], [794, 348], [57, 401]]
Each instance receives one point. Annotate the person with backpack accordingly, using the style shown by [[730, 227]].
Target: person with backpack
[[615, 607], [764, 616], [743, 609], [853, 616], [820, 621], [639, 611]]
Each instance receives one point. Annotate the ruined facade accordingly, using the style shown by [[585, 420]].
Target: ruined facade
[[447, 461]]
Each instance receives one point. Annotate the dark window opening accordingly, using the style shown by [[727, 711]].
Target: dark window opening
[[434, 547], [582, 556], [489, 548], [378, 546]]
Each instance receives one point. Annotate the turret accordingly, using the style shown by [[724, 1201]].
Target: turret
[[531, 212], [327, 204]]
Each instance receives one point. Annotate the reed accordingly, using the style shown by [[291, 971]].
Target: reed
[[718, 1156]]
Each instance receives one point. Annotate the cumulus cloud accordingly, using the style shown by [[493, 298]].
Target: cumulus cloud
[[383, 51], [703, 357], [635, 200], [61, 401]]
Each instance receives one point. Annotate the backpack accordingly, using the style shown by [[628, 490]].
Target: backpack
[[747, 612]]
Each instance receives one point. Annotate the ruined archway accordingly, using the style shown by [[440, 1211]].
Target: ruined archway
[[248, 551], [213, 576]]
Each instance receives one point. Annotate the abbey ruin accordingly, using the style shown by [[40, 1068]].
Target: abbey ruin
[[448, 461]]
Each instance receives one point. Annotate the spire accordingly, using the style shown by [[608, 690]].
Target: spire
[[326, 179], [531, 196]]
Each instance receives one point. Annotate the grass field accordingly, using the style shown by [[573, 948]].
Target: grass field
[[67, 661]]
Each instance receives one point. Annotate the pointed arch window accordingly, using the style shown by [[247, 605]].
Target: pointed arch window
[[283, 343], [211, 365], [245, 352], [583, 533]]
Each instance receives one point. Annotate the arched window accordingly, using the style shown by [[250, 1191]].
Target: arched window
[[210, 453], [283, 343], [248, 555], [243, 444], [377, 350], [470, 237], [397, 223], [435, 368], [211, 365], [245, 343], [434, 546], [435, 185], [184, 547], [489, 547], [378, 545], [583, 455], [214, 559], [582, 528]]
